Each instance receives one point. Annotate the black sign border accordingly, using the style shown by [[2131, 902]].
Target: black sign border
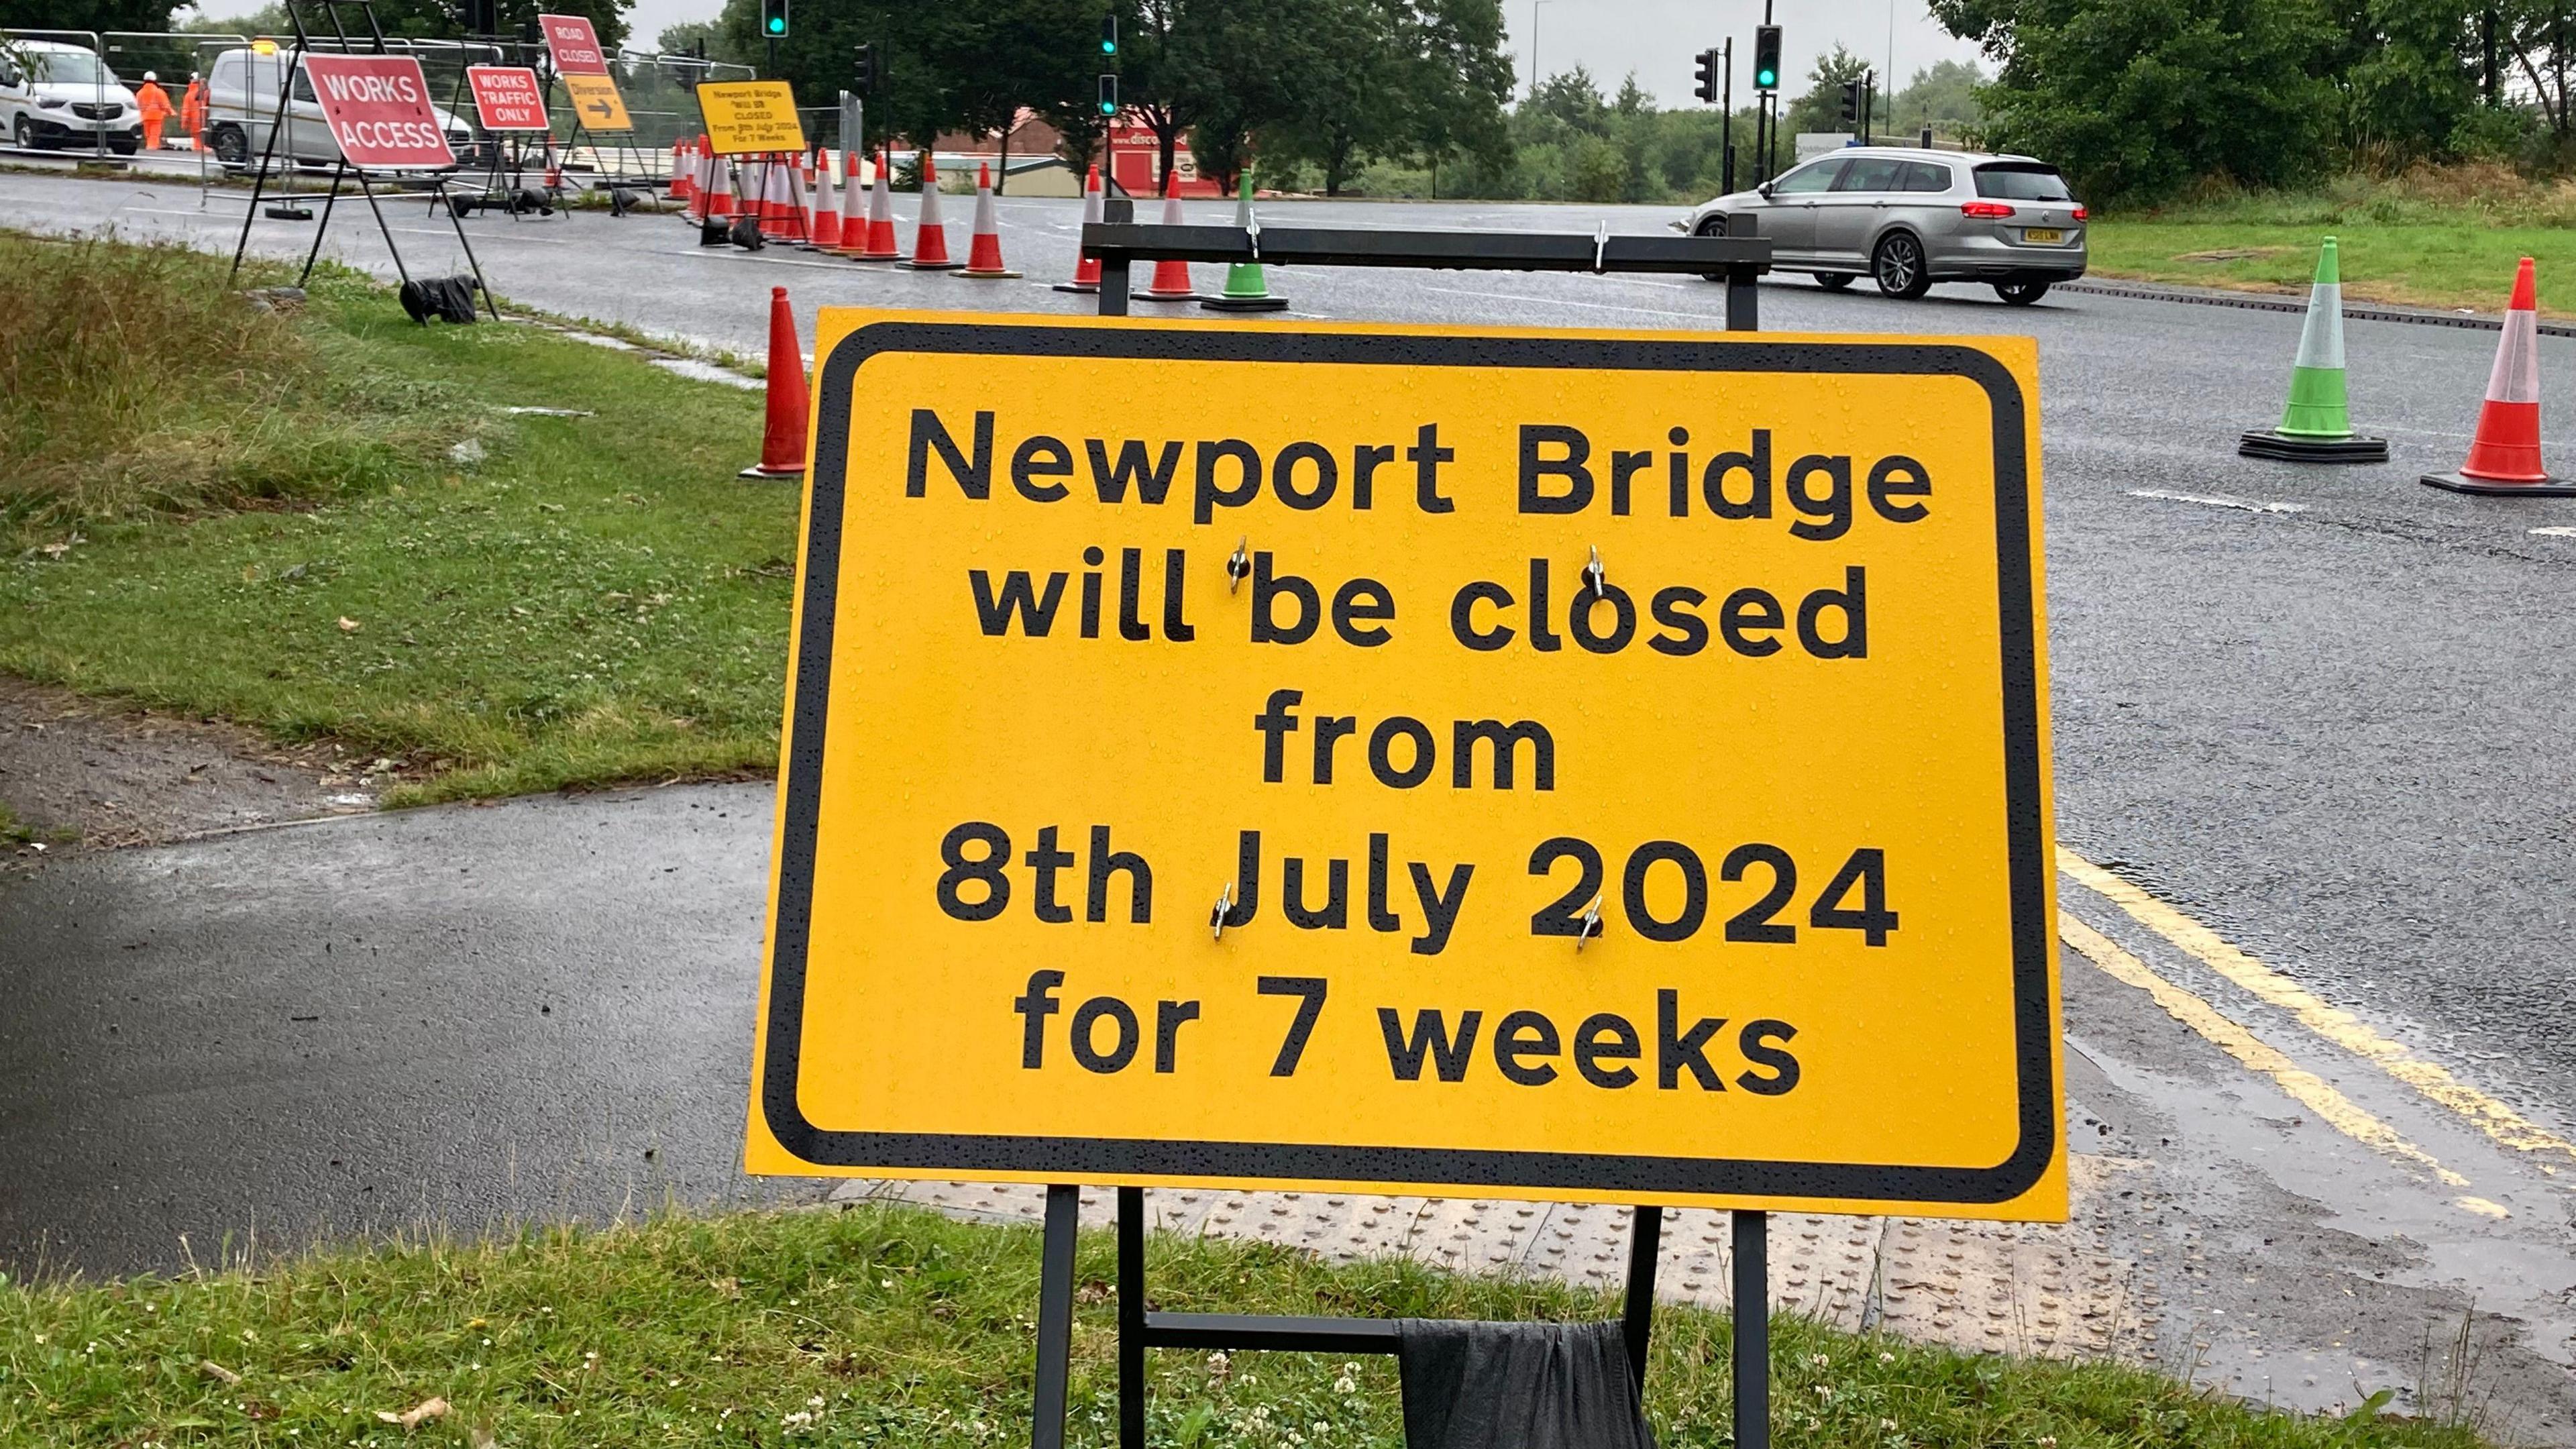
[[1107, 1159]]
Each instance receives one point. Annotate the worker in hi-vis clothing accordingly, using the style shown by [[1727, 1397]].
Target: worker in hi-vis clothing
[[192, 111], [154, 102]]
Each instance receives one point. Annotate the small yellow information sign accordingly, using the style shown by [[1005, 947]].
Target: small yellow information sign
[[596, 102], [1605, 766], [746, 117]]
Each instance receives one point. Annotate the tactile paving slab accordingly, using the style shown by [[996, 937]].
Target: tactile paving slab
[[2027, 1288]]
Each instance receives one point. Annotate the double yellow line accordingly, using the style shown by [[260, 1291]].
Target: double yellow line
[[2336, 1026]]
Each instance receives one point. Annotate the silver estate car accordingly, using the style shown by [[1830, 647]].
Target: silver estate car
[[1909, 218]]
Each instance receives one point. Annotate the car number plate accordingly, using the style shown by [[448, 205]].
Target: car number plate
[[2042, 234]]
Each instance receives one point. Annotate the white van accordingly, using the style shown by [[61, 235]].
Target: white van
[[53, 94], [241, 109]]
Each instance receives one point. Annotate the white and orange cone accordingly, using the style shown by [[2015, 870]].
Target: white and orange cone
[[1086, 268], [2504, 456], [823, 227], [881, 245], [853, 228], [1171, 275], [681, 161], [720, 199], [984, 248], [930, 234]]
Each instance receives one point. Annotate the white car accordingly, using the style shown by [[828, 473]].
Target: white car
[[241, 109], [53, 94]]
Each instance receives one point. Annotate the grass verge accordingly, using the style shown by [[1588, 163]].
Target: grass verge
[[895, 1326], [260, 516], [2433, 237]]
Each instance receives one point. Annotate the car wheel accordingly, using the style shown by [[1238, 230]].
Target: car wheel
[[1833, 281], [24, 133], [232, 148], [2021, 294], [1898, 266], [1712, 226]]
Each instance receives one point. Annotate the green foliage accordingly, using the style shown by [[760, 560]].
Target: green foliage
[[1820, 108], [2135, 99], [892, 1326], [1944, 98], [1419, 83], [136, 15]]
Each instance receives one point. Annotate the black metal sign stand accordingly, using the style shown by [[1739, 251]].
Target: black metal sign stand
[[1118, 242], [342, 170]]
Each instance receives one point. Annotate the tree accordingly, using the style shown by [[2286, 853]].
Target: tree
[[447, 19], [1223, 70], [1362, 104], [1943, 98], [128, 15], [1820, 109], [2135, 99], [1461, 81]]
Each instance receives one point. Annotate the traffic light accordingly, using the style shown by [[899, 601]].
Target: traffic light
[[1851, 104], [1766, 57], [1109, 95], [773, 19], [1109, 35], [866, 78], [1706, 90]]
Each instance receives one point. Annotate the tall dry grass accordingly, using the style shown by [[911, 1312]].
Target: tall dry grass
[[136, 379]]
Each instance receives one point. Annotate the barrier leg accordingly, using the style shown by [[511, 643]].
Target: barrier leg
[[1131, 1318], [1055, 1316], [1645, 1242], [1752, 1331]]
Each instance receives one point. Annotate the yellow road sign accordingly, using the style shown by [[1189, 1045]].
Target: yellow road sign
[[596, 102], [1215, 757], [744, 117]]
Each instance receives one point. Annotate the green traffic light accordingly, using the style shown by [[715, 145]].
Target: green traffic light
[[778, 25], [1766, 78]]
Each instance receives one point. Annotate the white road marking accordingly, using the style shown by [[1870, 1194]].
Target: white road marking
[[2217, 500], [2554, 533]]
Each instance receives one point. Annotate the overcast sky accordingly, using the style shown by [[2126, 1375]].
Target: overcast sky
[[1654, 38]]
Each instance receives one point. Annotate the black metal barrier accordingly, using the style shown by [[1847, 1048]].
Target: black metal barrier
[[1737, 258]]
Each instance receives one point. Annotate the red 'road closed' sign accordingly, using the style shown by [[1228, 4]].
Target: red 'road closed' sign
[[507, 97], [574, 45], [377, 107]]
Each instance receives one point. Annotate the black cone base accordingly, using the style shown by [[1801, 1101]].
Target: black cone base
[[2462, 483], [1165, 296], [2290, 447], [1085, 288], [932, 266], [1244, 304]]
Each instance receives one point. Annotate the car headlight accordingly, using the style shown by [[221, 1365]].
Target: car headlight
[[51, 103]]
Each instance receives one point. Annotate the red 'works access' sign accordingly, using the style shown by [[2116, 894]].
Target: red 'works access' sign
[[574, 45], [507, 97], [377, 107]]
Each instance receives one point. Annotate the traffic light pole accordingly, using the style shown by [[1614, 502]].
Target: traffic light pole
[[1726, 123]]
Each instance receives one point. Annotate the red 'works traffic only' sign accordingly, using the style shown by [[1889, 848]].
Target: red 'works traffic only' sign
[[377, 107], [574, 45], [507, 97]]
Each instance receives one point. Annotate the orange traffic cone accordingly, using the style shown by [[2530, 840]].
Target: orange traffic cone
[[720, 202], [852, 229], [824, 227], [880, 245], [1171, 275], [680, 162], [1086, 268], [930, 235], [785, 213], [2504, 456], [984, 248], [782, 436]]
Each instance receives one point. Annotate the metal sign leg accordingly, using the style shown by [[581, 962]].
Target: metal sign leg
[[1752, 1331], [1131, 1318], [329, 203], [1055, 1316], [1645, 1243]]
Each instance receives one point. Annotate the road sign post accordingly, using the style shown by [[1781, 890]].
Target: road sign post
[[1384, 791]]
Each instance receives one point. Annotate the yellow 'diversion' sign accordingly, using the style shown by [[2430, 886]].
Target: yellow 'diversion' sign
[[1576, 765], [596, 102], [750, 116]]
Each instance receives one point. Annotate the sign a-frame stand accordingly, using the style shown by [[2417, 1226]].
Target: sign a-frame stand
[[1119, 243], [289, 66]]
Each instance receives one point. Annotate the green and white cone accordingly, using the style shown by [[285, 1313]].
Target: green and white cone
[[2316, 408], [1246, 288], [2316, 425]]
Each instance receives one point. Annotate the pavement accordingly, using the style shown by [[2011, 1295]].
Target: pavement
[[2309, 767]]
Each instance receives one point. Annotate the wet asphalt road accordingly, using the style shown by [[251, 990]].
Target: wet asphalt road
[[2338, 735]]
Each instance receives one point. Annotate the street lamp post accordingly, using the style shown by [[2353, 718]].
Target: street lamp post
[[1534, 4]]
